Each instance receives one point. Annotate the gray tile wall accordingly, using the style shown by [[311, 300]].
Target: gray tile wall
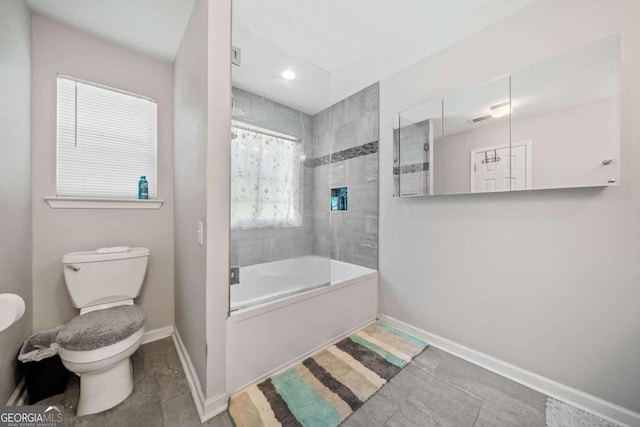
[[411, 159], [350, 236], [255, 246]]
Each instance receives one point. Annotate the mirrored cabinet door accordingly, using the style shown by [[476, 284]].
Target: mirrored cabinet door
[[552, 124], [476, 151], [417, 133], [565, 118]]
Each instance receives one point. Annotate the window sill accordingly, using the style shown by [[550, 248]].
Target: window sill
[[264, 227], [97, 203]]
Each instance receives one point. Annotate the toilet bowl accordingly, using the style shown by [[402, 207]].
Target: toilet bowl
[[97, 344]]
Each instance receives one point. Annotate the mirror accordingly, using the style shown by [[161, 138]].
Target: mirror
[[565, 118], [475, 144], [553, 124], [417, 148]]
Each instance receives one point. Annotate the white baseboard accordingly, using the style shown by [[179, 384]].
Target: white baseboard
[[572, 396], [207, 408], [157, 334], [303, 356], [19, 395]]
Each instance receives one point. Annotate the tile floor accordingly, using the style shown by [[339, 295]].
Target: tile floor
[[160, 397], [436, 389]]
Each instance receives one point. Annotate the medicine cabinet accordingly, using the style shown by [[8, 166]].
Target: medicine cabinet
[[553, 124]]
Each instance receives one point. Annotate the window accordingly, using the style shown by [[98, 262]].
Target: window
[[266, 178], [107, 140]]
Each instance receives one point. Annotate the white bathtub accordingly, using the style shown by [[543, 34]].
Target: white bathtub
[[276, 323], [263, 283]]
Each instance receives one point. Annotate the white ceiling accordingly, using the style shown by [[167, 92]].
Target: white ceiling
[[336, 47], [152, 27], [360, 42]]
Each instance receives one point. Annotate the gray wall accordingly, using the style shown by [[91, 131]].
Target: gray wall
[[190, 124], [544, 280], [350, 236], [258, 245], [15, 179], [59, 49]]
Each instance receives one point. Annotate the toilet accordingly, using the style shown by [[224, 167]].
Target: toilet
[[97, 344]]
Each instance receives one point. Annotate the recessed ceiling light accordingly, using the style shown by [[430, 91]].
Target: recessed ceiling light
[[288, 74]]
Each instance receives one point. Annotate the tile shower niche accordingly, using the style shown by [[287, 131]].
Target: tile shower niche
[[339, 198]]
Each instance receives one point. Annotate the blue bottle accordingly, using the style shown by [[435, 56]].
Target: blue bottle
[[143, 188]]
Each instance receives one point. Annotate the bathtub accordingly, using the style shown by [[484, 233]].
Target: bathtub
[[263, 283], [284, 311]]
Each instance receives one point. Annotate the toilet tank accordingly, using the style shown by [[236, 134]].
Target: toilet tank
[[94, 278]]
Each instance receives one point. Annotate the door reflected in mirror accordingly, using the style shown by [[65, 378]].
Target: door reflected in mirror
[[476, 152]]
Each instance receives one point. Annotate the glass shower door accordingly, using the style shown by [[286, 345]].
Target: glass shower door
[[280, 187]]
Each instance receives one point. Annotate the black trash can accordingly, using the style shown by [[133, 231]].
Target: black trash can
[[44, 373]]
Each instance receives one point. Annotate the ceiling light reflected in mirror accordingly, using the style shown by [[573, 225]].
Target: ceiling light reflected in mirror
[[501, 110], [288, 74]]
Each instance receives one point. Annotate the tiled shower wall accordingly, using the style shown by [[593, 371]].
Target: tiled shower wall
[[411, 159], [345, 152], [258, 245], [341, 147]]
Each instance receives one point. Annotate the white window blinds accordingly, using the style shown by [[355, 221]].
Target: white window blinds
[[107, 139]]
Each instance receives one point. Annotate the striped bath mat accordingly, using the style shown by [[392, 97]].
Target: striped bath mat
[[325, 389]]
